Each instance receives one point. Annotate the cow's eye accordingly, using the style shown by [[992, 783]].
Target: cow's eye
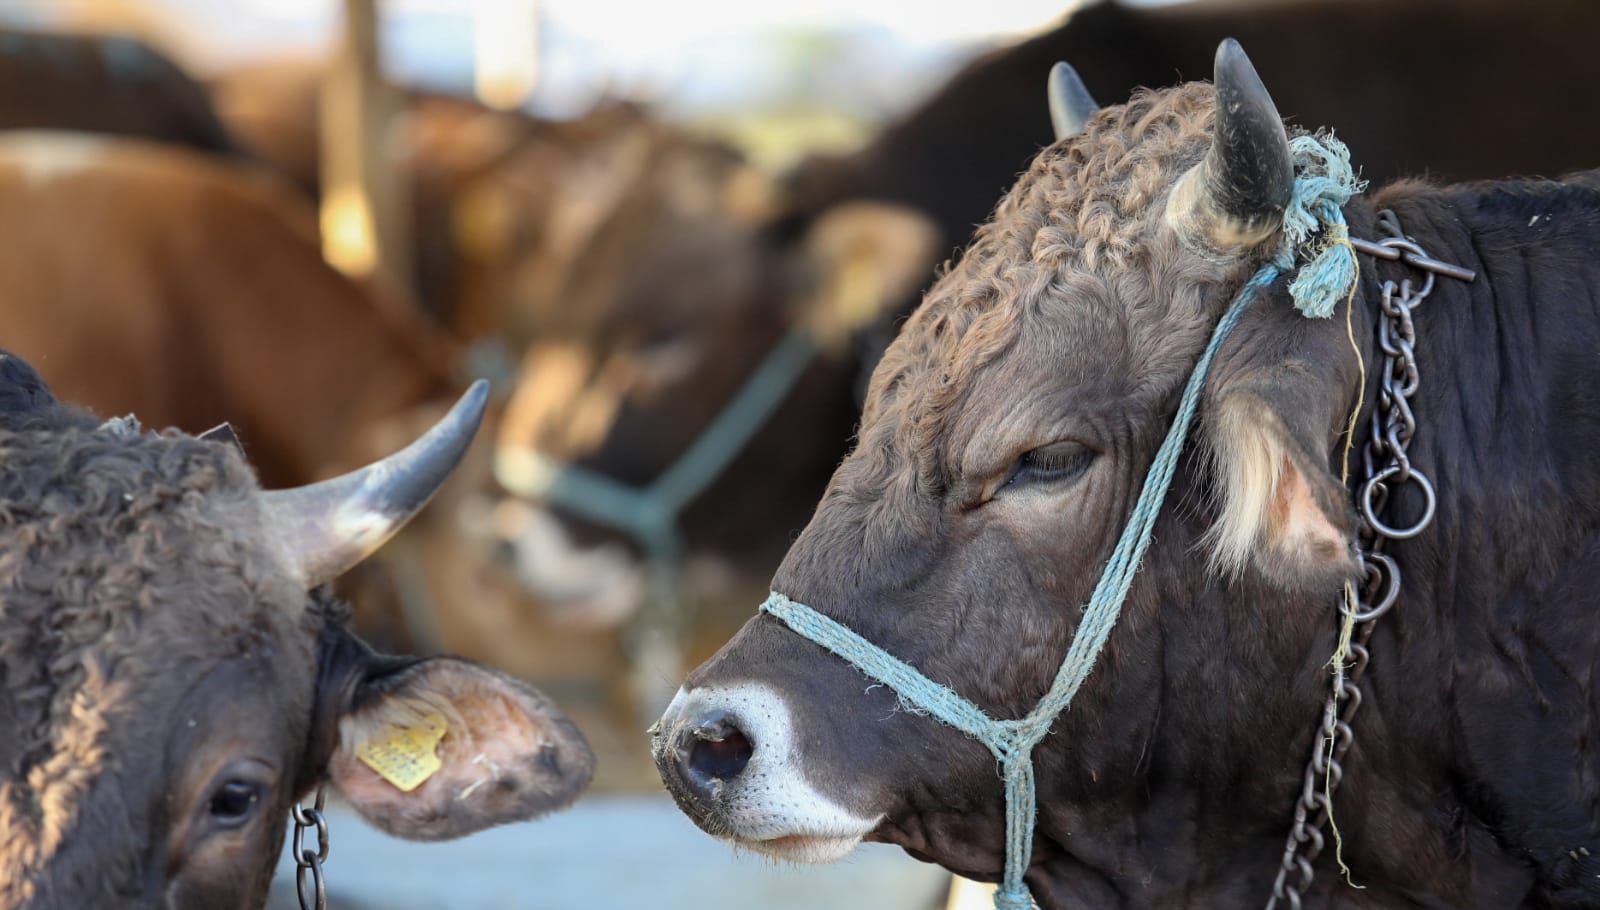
[[235, 801], [1058, 462]]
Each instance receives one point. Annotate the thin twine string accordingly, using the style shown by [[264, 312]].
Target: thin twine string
[[1347, 628]]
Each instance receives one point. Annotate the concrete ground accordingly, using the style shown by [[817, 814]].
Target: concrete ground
[[610, 852]]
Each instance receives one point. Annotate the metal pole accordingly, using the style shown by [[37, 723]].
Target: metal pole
[[365, 206]]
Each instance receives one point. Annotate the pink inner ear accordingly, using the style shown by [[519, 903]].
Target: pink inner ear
[[487, 738], [1297, 524], [506, 755], [492, 736]]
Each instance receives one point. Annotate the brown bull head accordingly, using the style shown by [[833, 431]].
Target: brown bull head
[[173, 685], [1005, 438]]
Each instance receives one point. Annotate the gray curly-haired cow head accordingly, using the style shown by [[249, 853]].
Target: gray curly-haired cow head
[[1005, 437], [175, 676]]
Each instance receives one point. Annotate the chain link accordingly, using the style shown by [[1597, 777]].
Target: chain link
[[1388, 467], [309, 861]]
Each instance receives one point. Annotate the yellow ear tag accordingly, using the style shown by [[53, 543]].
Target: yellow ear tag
[[405, 756]]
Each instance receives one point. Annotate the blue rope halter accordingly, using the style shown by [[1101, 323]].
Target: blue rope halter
[[1324, 183]]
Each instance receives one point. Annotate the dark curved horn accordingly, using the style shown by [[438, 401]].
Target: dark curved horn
[[1237, 195], [326, 528], [1070, 104]]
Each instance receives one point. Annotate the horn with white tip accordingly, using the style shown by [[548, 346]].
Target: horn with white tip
[[325, 528], [1070, 103]]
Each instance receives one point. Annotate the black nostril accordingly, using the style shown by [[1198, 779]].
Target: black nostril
[[716, 750]]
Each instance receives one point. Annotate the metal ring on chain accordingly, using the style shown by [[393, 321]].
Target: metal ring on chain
[[1431, 502], [1380, 568]]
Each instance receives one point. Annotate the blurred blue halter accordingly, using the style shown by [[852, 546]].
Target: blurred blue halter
[[649, 513], [1324, 183]]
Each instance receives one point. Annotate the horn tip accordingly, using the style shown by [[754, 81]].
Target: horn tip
[[1071, 105], [1228, 51], [1232, 72], [473, 403]]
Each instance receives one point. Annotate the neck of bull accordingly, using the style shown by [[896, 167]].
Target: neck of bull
[[1482, 682], [1184, 797]]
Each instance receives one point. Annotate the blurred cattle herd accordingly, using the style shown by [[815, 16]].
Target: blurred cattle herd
[[626, 275]]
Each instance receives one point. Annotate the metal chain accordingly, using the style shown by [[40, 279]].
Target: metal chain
[[309, 860], [1387, 466]]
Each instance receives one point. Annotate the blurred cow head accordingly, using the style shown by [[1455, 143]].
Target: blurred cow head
[[647, 294]]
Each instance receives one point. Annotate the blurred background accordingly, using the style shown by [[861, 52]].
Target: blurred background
[[675, 236], [698, 60]]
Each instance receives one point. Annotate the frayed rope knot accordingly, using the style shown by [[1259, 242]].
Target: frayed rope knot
[[1324, 183], [1013, 900]]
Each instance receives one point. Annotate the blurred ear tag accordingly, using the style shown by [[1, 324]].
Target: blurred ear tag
[[405, 756]]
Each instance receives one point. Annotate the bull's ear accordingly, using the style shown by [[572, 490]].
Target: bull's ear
[[1274, 434], [446, 747], [861, 261]]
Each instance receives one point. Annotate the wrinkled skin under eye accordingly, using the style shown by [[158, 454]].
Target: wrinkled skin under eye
[[1057, 463]]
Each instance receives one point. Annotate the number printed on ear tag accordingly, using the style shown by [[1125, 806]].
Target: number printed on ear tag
[[404, 755]]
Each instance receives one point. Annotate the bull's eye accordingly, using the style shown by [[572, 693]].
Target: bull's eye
[[1058, 462], [235, 801]]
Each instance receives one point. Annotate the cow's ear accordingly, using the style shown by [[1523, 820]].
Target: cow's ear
[[1275, 435], [861, 261], [446, 747]]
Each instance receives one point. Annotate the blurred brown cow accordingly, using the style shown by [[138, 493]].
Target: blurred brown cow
[[666, 315], [187, 290], [103, 84], [158, 281], [484, 184], [659, 243]]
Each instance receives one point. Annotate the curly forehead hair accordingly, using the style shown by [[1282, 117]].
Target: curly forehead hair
[[106, 532], [1080, 213], [123, 559]]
